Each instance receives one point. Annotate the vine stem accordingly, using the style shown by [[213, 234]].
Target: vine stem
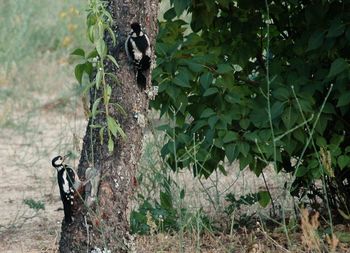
[[268, 82]]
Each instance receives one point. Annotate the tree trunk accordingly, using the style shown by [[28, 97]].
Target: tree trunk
[[104, 223]]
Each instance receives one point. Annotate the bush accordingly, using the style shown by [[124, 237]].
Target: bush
[[261, 84]]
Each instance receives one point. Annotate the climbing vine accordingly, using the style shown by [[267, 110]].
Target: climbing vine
[[92, 74]]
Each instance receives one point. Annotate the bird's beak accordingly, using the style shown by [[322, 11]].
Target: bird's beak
[[65, 157]]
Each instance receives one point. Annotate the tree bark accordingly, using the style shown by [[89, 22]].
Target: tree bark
[[104, 224]]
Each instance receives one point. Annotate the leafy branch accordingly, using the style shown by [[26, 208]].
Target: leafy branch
[[91, 72]]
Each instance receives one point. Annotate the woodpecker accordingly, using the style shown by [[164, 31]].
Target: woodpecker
[[68, 183], [138, 50]]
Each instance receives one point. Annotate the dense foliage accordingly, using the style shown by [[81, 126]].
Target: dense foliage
[[261, 83]]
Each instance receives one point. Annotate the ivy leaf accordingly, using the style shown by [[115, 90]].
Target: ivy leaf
[[230, 137], [231, 152], [338, 66], [210, 91], [344, 99], [94, 107], [78, 71], [207, 113], [166, 200], [113, 60], [343, 161], [212, 121], [180, 6], [243, 147], [244, 123], [337, 28], [98, 78], [224, 68], [169, 14], [182, 79], [78, 52], [182, 194], [222, 169], [101, 48], [264, 198], [315, 40], [111, 33], [206, 80], [110, 144], [115, 128]]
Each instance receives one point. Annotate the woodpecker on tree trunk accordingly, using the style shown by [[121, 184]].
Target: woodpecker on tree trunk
[[137, 47], [68, 183]]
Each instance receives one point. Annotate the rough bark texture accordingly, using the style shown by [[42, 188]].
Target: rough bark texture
[[104, 224]]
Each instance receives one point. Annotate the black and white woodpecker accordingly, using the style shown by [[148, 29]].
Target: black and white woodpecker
[[138, 50], [68, 183]]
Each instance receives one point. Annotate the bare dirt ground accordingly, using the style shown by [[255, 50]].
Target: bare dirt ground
[[26, 173]]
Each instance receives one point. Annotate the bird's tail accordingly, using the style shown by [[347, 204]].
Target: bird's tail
[[141, 79], [67, 213]]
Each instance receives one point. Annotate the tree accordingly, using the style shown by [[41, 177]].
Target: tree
[[260, 82], [104, 223]]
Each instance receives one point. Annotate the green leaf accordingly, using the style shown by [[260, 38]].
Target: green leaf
[[338, 66], [180, 6], [222, 169], [91, 33], [315, 40], [94, 107], [113, 60], [98, 78], [92, 54], [169, 14], [110, 144], [101, 48], [210, 91], [182, 194], [166, 200], [344, 99], [277, 109], [212, 121], [264, 198], [78, 71], [79, 52], [224, 68], [114, 127], [243, 147], [281, 94], [207, 113], [100, 29], [182, 79], [107, 94], [343, 161], [337, 28], [206, 80], [244, 123], [111, 33], [85, 80], [230, 137], [231, 152], [343, 236], [301, 171]]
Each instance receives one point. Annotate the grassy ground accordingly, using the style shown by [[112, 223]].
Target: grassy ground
[[41, 116]]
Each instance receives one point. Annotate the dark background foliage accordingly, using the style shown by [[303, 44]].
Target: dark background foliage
[[214, 72]]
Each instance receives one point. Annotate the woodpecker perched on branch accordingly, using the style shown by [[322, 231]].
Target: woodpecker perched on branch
[[138, 50], [68, 182]]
